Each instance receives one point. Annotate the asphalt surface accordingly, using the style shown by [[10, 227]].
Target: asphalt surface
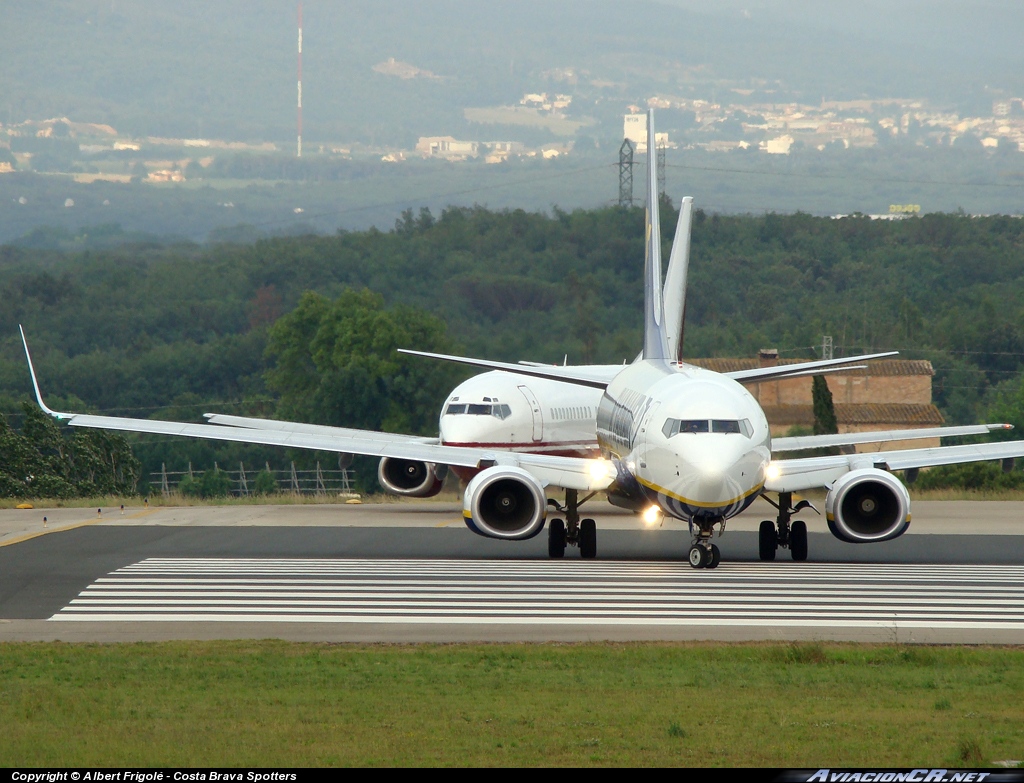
[[42, 572]]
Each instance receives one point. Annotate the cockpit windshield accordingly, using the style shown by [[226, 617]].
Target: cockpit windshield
[[498, 410], [675, 427]]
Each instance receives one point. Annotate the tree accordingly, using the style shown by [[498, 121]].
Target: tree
[[825, 422], [42, 461], [338, 363]]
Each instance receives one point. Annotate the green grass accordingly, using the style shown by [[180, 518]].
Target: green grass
[[277, 703]]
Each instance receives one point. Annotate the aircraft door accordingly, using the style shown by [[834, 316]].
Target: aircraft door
[[646, 423], [538, 416]]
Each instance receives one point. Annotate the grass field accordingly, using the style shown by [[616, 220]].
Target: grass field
[[276, 703]]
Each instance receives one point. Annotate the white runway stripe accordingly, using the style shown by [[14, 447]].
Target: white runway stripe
[[541, 592]]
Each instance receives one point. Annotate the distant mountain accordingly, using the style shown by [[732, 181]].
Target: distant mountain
[[228, 69]]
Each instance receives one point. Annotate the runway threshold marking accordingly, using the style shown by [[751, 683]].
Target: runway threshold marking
[[544, 592], [72, 526]]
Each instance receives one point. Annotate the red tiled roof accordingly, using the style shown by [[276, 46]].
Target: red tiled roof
[[882, 367], [882, 414]]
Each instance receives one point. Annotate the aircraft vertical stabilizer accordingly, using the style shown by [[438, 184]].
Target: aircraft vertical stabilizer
[[675, 281], [655, 337]]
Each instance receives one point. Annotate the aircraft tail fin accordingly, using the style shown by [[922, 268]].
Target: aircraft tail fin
[[675, 281], [656, 345]]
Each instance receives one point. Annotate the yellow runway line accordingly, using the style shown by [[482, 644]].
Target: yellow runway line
[[72, 526]]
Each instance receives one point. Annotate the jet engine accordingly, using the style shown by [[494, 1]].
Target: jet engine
[[505, 502], [411, 478], [867, 505]]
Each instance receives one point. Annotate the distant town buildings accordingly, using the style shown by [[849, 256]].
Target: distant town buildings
[[776, 128], [92, 151], [451, 148]]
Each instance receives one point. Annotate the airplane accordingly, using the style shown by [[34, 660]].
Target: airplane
[[675, 440]]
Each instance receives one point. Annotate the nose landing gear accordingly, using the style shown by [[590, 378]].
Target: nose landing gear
[[704, 554]]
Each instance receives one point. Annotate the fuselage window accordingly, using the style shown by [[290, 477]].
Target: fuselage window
[[691, 426]]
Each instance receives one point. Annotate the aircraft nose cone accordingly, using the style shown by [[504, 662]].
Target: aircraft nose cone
[[717, 475]]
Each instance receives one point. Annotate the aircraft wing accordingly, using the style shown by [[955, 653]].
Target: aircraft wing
[[794, 475], [568, 472], [820, 367], [881, 436], [597, 376], [246, 422]]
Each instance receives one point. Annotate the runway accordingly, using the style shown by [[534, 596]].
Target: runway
[[410, 574], [530, 593]]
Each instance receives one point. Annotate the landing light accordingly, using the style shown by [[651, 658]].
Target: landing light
[[600, 469], [651, 515], [772, 472]]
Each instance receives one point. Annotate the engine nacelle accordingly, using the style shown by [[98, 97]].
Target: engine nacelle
[[867, 505], [505, 502], [411, 478]]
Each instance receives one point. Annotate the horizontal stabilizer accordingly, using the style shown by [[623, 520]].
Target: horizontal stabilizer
[[596, 376], [820, 367]]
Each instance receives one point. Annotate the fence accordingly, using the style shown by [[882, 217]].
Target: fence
[[300, 482]]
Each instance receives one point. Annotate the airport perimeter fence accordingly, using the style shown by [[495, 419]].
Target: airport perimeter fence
[[242, 481]]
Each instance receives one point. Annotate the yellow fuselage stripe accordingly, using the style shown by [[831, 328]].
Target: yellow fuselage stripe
[[697, 503]]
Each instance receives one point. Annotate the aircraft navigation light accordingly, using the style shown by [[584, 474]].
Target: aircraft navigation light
[[652, 515]]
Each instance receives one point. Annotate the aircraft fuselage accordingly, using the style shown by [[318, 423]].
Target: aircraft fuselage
[[696, 442]]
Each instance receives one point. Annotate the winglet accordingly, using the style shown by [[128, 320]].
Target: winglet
[[35, 382], [655, 339]]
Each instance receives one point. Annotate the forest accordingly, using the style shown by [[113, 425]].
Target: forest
[[307, 326]]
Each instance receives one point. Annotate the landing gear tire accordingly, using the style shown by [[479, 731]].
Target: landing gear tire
[[556, 538], [588, 539], [767, 540], [798, 541], [714, 557], [698, 556]]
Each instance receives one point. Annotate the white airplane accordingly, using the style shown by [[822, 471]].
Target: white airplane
[[675, 440]]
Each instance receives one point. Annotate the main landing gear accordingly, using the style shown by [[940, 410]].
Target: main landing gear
[[572, 531], [704, 554], [782, 532]]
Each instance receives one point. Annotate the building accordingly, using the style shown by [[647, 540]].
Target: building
[[634, 128], [446, 147], [889, 394]]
